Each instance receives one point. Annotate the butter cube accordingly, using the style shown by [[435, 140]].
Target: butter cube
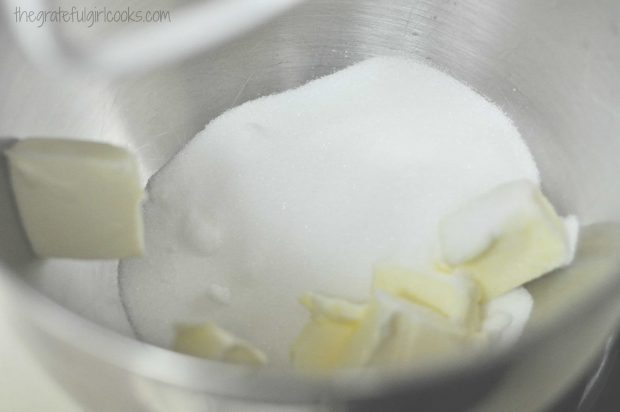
[[77, 199], [507, 237], [455, 296], [211, 342], [322, 344], [334, 309], [396, 333], [387, 332]]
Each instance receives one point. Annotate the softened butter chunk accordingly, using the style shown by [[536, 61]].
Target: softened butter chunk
[[77, 199], [322, 344], [387, 332], [507, 237], [396, 333], [455, 296], [211, 342]]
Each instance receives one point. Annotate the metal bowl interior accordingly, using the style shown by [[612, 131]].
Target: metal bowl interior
[[552, 66]]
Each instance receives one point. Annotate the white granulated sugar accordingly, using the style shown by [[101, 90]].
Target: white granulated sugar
[[306, 190], [219, 294]]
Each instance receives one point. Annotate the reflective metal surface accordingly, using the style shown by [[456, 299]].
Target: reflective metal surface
[[553, 66], [198, 27]]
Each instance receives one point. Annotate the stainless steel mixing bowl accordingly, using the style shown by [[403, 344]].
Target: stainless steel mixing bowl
[[554, 66]]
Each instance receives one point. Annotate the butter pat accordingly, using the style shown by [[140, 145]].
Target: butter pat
[[507, 237], [211, 342], [333, 309], [77, 199], [397, 333], [387, 332], [324, 341], [455, 296]]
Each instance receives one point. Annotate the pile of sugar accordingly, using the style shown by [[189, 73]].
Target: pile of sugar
[[305, 191]]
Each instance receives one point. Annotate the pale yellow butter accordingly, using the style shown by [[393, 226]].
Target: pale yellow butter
[[491, 246], [455, 296], [387, 332], [396, 333], [507, 237], [211, 342], [324, 341], [77, 199]]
